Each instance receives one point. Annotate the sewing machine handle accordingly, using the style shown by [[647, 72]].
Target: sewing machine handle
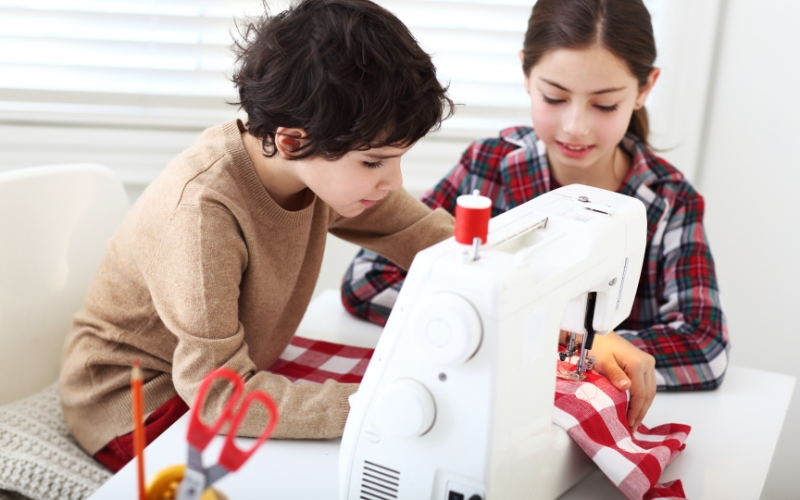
[[523, 257]]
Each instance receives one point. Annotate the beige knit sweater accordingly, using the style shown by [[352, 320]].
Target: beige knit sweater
[[208, 271]]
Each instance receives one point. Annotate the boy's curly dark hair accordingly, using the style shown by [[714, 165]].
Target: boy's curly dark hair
[[348, 72]]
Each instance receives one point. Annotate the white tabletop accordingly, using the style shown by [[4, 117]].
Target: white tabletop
[[734, 433]]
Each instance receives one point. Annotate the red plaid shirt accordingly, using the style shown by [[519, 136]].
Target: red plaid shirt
[[677, 316]]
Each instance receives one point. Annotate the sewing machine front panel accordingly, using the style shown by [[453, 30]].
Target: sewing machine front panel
[[459, 394]]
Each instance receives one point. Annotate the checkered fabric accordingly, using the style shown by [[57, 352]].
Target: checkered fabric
[[677, 314], [318, 361], [672, 490], [592, 411]]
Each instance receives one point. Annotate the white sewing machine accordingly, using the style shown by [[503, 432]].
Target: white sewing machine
[[457, 401]]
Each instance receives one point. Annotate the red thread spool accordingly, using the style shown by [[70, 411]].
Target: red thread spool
[[473, 212]]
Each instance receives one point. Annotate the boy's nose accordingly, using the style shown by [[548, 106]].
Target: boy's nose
[[393, 180]]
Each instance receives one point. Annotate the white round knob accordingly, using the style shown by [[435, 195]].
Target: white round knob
[[406, 408], [448, 329]]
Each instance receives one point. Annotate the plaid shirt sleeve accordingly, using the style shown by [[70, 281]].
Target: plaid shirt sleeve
[[677, 316], [370, 286]]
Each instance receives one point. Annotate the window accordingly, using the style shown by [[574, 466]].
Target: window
[[130, 83]]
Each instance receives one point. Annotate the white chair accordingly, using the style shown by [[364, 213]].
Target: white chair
[[54, 224]]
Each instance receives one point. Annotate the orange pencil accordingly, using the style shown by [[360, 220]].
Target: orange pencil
[[138, 425]]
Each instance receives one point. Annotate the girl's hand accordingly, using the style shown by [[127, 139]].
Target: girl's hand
[[628, 368]]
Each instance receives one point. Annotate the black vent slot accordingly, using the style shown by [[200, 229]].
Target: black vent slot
[[379, 482]]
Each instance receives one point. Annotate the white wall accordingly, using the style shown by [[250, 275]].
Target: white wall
[[750, 176], [686, 32]]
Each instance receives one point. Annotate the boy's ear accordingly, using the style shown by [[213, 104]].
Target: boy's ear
[[289, 140]]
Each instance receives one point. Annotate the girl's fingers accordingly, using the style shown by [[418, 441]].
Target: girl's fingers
[[618, 377], [651, 391], [638, 400], [646, 396]]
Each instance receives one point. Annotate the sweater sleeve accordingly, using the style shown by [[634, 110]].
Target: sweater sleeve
[[397, 227], [372, 282], [194, 280], [687, 334]]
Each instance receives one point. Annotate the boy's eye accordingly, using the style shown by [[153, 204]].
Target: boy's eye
[[606, 109], [373, 165], [550, 100]]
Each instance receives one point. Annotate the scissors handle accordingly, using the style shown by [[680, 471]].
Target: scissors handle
[[199, 434], [233, 457]]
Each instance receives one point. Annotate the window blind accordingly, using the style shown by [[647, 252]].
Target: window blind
[[148, 75], [120, 62]]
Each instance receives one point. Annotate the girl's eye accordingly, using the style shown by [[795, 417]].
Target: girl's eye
[[606, 109], [550, 100], [373, 165]]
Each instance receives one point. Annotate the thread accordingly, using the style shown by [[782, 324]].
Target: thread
[[473, 212]]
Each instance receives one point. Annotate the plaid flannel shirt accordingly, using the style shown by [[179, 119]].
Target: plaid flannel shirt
[[677, 316]]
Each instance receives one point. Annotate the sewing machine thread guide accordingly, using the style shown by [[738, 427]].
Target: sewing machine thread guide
[[622, 282]]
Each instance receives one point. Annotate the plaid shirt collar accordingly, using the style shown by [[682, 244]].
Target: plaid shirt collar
[[526, 173]]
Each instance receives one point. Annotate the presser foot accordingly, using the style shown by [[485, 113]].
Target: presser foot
[[568, 373]]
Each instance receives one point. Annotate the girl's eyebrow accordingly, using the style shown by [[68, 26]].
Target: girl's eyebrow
[[603, 91]]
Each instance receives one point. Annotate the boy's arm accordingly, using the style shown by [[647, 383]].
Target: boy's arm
[[687, 335], [397, 227], [194, 279], [372, 282]]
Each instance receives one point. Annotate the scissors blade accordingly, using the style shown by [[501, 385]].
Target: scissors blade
[[215, 473], [192, 486], [194, 477]]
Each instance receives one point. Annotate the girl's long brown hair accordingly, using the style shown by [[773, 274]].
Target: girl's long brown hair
[[623, 27]]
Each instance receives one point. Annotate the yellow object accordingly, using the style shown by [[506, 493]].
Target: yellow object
[[164, 485]]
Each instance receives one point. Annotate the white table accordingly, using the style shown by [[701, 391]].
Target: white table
[[734, 433]]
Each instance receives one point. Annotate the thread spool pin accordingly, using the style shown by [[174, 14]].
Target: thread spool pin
[[473, 212], [476, 242]]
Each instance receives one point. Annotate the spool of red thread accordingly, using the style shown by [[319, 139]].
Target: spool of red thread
[[473, 212]]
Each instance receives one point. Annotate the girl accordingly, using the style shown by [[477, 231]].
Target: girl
[[588, 67]]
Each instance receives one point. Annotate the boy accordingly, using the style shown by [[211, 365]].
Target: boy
[[216, 262]]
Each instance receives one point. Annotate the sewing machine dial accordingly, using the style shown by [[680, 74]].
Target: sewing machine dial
[[447, 328], [407, 408]]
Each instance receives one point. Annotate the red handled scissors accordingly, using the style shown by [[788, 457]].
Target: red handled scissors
[[197, 478]]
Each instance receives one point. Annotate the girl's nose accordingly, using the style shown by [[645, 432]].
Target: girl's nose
[[576, 122]]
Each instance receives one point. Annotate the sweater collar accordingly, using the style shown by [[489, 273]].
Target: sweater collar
[[264, 204]]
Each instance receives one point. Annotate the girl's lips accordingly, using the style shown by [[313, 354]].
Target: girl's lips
[[574, 150], [369, 203]]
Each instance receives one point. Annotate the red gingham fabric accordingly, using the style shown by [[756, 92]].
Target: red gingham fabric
[[303, 359], [318, 361], [672, 490], [592, 411]]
